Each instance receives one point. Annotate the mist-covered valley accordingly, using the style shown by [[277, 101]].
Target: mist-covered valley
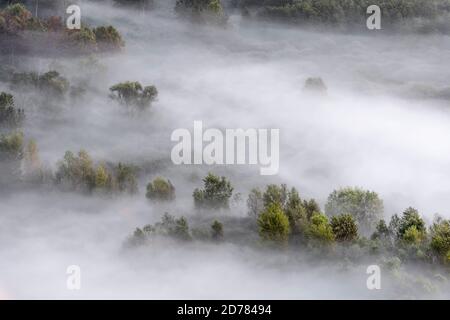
[[375, 130]]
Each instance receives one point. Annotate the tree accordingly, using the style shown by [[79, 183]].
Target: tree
[[11, 146], [275, 194], [319, 230], [365, 206], [9, 115], [344, 228], [217, 230], [216, 193], [133, 94], [76, 172], [108, 38], [210, 11], [274, 224], [411, 228], [160, 189], [255, 203], [126, 178], [440, 239]]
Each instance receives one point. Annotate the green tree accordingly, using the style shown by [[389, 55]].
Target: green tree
[[217, 230], [275, 194], [411, 227], [216, 193], [160, 189], [10, 116], [319, 230], [126, 178], [365, 206], [210, 11], [133, 94], [255, 203], [344, 228], [440, 238], [274, 224], [108, 38]]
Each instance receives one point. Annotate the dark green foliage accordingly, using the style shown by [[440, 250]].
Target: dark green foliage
[[10, 116], [51, 83], [365, 206], [217, 231], [274, 224], [201, 10], [108, 38], [133, 94], [335, 12], [440, 239], [344, 228], [177, 229], [160, 189], [216, 193]]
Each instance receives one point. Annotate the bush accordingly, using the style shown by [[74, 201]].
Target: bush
[[344, 228], [365, 206], [160, 189], [274, 225], [216, 193]]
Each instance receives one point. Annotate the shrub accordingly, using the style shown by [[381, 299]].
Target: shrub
[[108, 38], [160, 189], [216, 193]]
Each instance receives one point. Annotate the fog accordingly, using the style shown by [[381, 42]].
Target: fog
[[383, 125]]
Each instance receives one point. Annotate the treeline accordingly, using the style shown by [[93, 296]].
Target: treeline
[[353, 218], [347, 12], [20, 31]]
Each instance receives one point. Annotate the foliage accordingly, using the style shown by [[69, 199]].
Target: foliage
[[411, 227], [344, 227], [10, 116], [11, 146], [201, 10], [216, 193], [255, 203], [217, 230], [365, 206], [78, 173], [274, 224], [319, 230], [108, 37], [440, 238], [160, 189], [51, 82], [133, 94]]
